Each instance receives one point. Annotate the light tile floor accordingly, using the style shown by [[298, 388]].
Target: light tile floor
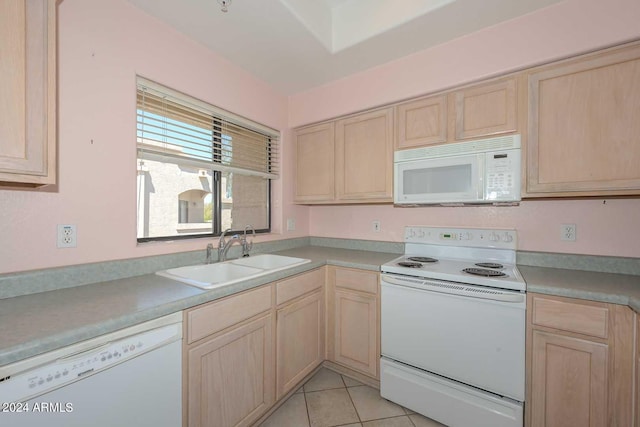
[[329, 399]]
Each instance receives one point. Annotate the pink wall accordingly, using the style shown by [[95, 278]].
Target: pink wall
[[609, 228], [103, 44], [567, 28]]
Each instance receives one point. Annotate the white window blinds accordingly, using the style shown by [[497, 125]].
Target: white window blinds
[[173, 127]]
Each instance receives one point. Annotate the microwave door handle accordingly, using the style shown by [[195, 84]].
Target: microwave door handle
[[481, 177]]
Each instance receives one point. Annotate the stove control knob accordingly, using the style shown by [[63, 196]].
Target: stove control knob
[[507, 238], [494, 237], [420, 233], [466, 236]]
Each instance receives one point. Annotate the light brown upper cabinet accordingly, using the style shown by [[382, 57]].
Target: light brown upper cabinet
[[584, 127], [364, 157], [28, 88], [484, 110], [478, 111], [315, 182], [422, 122], [346, 161]]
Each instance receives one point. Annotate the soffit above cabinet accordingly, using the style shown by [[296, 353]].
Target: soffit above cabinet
[[319, 41]]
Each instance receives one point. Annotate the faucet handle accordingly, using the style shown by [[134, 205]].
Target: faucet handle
[[221, 242], [209, 250], [249, 227], [246, 246]]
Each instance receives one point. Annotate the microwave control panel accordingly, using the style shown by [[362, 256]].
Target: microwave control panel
[[502, 174]]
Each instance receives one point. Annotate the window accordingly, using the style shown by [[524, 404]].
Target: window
[[183, 211], [201, 170]]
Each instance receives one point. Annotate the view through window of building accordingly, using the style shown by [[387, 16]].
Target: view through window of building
[[201, 170]]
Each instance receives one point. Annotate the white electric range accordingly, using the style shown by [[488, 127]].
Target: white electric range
[[453, 327]]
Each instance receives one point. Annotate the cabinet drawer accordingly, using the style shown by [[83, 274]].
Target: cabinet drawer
[[575, 317], [357, 280], [293, 287], [219, 315]]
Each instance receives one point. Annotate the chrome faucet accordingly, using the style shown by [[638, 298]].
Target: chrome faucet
[[223, 247], [247, 246], [209, 251]]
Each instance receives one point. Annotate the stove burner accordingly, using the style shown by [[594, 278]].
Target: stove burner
[[484, 272], [410, 264], [422, 259], [489, 265]]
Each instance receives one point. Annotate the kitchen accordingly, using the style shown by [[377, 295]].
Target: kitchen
[[103, 45]]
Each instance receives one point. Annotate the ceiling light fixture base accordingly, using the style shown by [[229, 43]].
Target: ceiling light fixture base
[[224, 5]]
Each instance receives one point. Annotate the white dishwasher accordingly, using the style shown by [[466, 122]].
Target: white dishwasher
[[129, 377]]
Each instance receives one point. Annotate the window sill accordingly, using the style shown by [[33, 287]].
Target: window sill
[[194, 227]]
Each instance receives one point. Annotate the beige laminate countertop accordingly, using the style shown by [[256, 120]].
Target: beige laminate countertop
[[37, 323], [595, 286]]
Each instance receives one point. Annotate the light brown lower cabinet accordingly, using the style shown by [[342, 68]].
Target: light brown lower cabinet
[[231, 376], [637, 371], [245, 351], [570, 386], [354, 311], [580, 357], [300, 340]]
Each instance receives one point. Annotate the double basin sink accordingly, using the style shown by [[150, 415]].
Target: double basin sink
[[210, 276]]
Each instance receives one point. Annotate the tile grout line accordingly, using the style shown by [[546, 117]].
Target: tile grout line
[[304, 396], [351, 399], [324, 389], [410, 420], [346, 388]]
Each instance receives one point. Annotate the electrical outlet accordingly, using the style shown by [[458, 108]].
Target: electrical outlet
[[568, 232], [375, 226], [67, 236], [291, 224]]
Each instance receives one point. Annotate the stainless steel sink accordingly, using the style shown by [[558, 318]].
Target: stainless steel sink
[[209, 276]]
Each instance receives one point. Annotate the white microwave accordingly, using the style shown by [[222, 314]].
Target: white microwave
[[473, 172]]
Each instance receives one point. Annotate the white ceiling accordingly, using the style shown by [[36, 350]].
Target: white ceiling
[[295, 45]]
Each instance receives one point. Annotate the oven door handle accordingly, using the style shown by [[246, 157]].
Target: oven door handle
[[459, 289]]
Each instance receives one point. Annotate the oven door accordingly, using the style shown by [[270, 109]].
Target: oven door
[[471, 334], [456, 179]]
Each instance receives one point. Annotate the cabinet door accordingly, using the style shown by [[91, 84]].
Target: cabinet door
[[485, 110], [422, 122], [569, 381], [300, 340], [584, 132], [315, 164], [28, 88], [230, 380], [356, 331], [637, 392], [364, 157]]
